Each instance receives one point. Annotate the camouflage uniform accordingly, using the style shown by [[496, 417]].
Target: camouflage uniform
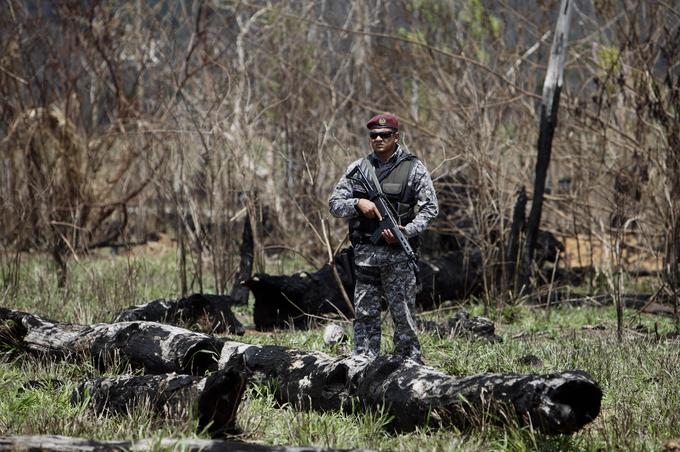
[[383, 272]]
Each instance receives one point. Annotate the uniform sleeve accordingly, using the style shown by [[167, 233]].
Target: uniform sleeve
[[341, 202], [426, 201]]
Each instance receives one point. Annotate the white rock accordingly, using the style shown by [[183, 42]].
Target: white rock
[[334, 334]]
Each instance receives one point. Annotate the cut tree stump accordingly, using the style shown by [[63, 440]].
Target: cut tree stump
[[53, 443], [464, 325], [154, 347], [215, 309], [215, 398], [414, 395]]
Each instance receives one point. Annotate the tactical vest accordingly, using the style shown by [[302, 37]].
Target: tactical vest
[[401, 199]]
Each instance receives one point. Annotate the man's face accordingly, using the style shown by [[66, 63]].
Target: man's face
[[383, 140]]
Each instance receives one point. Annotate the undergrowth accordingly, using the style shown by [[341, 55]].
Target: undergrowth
[[639, 376]]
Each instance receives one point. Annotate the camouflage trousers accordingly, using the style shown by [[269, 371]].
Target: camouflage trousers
[[396, 285]]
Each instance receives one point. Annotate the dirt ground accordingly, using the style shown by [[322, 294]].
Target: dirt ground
[[582, 250]]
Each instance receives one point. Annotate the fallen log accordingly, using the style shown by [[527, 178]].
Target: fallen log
[[54, 443], [414, 395], [154, 347], [454, 276], [460, 273], [283, 301], [214, 398], [295, 300], [464, 325], [216, 309]]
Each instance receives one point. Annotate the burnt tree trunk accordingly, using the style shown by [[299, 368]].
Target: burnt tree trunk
[[154, 347], [215, 309], [512, 255], [239, 292], [549, 105], [672, 239], [215, 398], [415, 395], [53, 443]]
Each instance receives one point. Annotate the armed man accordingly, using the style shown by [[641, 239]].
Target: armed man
[[389, 184]]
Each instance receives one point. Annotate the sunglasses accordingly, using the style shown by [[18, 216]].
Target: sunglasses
[[383, 135]]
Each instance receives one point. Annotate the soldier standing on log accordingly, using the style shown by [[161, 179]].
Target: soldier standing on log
[[383, 270]]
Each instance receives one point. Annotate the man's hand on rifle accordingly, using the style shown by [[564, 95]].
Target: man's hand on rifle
[[369, 209], [390, 238]]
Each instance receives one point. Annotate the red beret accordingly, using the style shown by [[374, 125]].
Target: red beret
[[383, 120]]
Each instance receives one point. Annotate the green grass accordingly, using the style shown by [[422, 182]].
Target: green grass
[[640, 376]]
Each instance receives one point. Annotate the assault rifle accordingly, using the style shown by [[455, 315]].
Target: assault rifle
[[368, 179]]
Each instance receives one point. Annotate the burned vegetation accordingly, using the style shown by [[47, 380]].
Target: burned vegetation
[[164, 175]]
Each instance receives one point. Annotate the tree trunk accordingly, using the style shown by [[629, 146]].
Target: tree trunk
[[239, 292], [415, 395], [549, 105], [151, 346], [190, 310], [672, 254], [512, 254], [215, 398], [54, 443]]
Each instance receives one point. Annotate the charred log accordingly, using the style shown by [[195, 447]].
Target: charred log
[[216, 309], [214, 398], [453, 228], [459, 274], [52, 443], [415, 395], [154, 347], [282, 301], [464, 325], [454, 276]]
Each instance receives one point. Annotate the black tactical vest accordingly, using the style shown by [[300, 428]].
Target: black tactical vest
[[400, 196]]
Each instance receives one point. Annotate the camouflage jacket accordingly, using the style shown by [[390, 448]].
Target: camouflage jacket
[[343, 205]]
